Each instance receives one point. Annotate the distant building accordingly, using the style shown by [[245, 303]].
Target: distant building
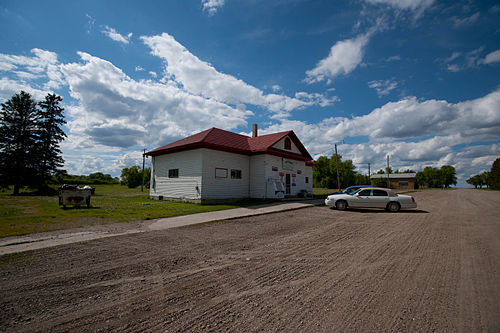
[[401, 181], [217, 166]]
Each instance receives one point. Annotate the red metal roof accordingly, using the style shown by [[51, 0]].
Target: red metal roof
[[218, 139]]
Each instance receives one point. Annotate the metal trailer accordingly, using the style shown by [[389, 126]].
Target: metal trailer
[[73, 195]]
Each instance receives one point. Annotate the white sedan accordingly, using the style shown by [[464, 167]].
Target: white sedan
[[374, 197]]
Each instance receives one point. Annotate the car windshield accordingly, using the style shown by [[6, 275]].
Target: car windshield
[[353, 191]]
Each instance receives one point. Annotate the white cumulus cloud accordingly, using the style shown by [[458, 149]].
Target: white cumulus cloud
[[202, 78], [343, 58], [413, 132], [114, 35], [43, 64], [118, 111], [212, 6], [491, 57]]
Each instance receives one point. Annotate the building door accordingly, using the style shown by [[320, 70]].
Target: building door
[[287, 183]]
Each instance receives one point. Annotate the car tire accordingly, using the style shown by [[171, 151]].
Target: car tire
[[393, 207], [341, 205]]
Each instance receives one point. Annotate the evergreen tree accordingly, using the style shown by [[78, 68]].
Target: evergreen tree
[[50, 135], [18, 127]]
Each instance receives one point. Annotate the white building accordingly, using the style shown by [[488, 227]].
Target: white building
[[217, 165]]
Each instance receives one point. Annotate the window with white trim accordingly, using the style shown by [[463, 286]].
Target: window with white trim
[[220, 173]]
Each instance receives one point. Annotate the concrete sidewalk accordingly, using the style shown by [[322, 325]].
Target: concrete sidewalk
[[50, 239]]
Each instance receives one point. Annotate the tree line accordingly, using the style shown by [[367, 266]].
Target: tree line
[[325, 175], [489, 179], [30, 133], [132, 177], [437, 178], [92, 179]]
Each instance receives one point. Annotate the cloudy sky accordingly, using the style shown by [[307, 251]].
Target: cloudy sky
[[418, 80]]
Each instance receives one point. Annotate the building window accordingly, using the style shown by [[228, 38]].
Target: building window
[[274, 168], [307, 180], [220, 173], [235, 174], [173, 173], [288, 144], [403, 183], [299, 172]]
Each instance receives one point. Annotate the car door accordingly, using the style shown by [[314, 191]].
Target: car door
[[361, 199], [380, 198]]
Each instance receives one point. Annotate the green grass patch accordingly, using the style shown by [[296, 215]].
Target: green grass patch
[[25, 214], [322, 193]]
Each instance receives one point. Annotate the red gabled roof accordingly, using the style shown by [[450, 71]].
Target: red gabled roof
[[218, 139]]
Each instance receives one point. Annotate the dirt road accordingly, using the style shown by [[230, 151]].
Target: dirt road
[[316, 269]]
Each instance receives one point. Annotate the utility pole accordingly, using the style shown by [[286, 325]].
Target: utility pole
[[338, 175], [387, 170], [143, 160], [369, 173]]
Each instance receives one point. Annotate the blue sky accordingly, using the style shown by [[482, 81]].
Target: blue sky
[[418, 80]]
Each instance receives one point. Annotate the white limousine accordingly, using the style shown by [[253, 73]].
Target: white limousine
[[373, 197]]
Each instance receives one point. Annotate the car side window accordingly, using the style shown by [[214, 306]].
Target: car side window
[[379, 193], [365, 193]]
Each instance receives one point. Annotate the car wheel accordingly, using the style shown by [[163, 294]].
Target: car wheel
[[341, 205], [393, 207]]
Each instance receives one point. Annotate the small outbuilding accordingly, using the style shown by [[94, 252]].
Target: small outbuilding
[[219, 166], [401, 181]]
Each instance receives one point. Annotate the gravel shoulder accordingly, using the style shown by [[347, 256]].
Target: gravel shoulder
[[315, 269]]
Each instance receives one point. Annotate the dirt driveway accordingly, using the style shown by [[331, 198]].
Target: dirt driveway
[[310, 270]]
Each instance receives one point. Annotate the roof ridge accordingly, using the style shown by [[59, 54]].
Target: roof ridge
[[208, 131], [233, 133], [277, 133]]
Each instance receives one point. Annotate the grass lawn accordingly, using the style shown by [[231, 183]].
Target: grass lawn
[[322, 193], [27, 214]]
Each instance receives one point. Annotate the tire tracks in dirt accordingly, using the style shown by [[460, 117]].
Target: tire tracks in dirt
[[316, 269]]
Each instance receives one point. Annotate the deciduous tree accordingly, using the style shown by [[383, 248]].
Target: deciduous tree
[[434, 177], [494, 178], [325, 172], [448, 177], [132, 177]]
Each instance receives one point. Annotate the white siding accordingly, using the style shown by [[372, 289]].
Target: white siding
[[281, 145], [308, 172], [299, 179], [258, 177], [223, 188], [188, 185], [197, 175]]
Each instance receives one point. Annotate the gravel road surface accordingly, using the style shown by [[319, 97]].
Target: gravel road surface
[[436, 268]]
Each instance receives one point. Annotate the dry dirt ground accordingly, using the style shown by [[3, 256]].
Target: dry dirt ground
[[436, 268]]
